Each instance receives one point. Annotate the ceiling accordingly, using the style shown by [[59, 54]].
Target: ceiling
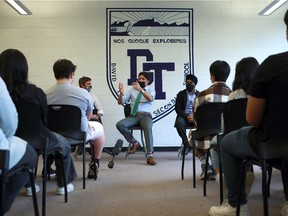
[[64, 8]]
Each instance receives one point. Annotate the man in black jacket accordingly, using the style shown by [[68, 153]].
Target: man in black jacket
[[184, 108]]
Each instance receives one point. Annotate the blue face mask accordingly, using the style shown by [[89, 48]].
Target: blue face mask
[[88, 88]]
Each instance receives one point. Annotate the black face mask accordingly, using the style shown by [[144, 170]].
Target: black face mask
[[88, 88], [142, 84], [190, 87]]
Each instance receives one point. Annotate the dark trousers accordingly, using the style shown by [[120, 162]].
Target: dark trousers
[[17, 182], [180, 125], [58, 141]]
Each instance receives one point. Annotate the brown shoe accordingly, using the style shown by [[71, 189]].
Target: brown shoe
[[134, 148], [151, 160]]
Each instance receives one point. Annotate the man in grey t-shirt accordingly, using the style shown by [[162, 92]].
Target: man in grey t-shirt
[[63, 92]]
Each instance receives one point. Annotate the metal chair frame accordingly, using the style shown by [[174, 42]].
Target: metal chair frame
[[209, 112], [66, 120], [6, 174], [234, 117]]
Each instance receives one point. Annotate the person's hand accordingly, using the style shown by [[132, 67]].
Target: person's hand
[[190, 118], [121, 88], [136, 86]]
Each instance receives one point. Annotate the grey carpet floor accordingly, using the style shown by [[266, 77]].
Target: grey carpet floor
[[133, 188]]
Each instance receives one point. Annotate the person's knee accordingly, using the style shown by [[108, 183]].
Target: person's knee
[[119, 125], [224, 142]]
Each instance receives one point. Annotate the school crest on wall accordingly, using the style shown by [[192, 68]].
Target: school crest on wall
[[159, 41]]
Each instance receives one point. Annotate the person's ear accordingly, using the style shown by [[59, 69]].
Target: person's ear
[[212, 77]]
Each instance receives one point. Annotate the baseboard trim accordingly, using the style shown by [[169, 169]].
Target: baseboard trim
[[156, 149]]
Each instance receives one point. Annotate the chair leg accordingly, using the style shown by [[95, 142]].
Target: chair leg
[[84, 165], [264, 187], [44, 179], [206, 169], [220, 178], [183, 161], [269, 171], [34, 196], [63, 174], [193, 163], [128, 149], [241, 184], [3, 177]]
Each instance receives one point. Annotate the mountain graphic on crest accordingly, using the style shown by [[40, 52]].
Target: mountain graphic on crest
[[147, 22]]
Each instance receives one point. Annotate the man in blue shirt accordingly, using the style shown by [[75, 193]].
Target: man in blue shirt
[[141, 97]]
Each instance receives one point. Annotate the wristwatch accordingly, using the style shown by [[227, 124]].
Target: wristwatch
[[143, 90]]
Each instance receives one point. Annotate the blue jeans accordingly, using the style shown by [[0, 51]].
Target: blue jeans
[[234, 149], [146, 123]]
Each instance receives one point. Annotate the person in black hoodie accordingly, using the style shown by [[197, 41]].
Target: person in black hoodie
[[14, 72], [184, 108]]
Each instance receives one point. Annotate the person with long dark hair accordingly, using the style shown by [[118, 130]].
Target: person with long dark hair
[[20, 152], [244, 72]]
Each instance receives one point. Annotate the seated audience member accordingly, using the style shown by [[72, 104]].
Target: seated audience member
[[270, 79], [86, 83], [184, 108], [14, 71], [141, 96], [244, 72], [217, 92], [21, 153], [63, 92]]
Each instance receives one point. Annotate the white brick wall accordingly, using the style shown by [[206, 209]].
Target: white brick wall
[[222, 30]]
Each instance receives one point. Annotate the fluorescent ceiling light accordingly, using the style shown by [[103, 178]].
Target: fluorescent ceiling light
[[274, 5], [19, 7]]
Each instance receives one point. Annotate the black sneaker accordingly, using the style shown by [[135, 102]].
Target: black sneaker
[[93, 170]]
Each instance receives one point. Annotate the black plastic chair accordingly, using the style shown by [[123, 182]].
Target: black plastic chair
[[30, 128], [127, 112], [6, 174], [275, 147], [66, 120], [234, 117], [208, 118]]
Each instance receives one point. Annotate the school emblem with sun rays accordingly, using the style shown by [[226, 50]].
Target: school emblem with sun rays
[[159, 41]]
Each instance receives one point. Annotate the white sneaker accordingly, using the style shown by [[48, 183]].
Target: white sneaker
[[61, 190], [28, 190], [284, 211], [228, 210], [250, 178]]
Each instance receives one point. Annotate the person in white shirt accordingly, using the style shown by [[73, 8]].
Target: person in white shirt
[[86, 83]]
